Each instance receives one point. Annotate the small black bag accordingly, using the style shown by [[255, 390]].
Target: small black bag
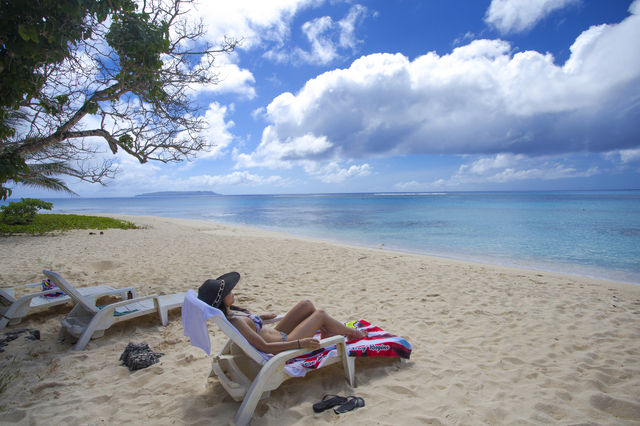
[[138, 355]]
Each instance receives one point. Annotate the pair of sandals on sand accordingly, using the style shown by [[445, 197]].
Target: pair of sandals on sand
[[342, 404]]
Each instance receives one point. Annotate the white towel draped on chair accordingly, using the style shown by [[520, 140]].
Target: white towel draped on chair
[[194, 321]]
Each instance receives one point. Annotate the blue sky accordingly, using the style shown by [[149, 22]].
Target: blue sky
[[411, 95]]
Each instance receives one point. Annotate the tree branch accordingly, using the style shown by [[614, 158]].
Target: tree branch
[[135, 88]]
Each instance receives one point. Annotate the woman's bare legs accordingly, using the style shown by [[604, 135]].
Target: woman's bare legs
[[295, 316], [304, 320]]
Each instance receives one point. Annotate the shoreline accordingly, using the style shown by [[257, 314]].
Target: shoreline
[[599, 253], [453, 257], [491, 344]]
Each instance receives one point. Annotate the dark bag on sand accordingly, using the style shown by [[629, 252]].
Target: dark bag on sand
[[138, 355]]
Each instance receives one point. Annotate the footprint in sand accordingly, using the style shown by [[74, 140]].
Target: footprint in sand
[[551, 410], [617, 407], [184, 361], [103, 265], [14, 416]]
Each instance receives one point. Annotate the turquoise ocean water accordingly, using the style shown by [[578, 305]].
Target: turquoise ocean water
[[583, 232]]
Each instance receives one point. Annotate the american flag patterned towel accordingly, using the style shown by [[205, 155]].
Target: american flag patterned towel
[[377, 343]]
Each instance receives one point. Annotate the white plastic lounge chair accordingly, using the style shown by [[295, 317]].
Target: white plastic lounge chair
[[247, 374], [13, 309], [86, 321]]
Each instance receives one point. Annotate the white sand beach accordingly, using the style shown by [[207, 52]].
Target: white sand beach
[[491, 345]]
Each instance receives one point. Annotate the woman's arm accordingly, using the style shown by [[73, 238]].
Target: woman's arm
[[268, 316], [258, 342]]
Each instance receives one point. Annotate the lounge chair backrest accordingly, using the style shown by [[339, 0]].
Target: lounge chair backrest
[[71, 291], [237, 338]]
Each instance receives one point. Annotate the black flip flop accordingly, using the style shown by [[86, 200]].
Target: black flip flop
[[328, 401], [352, 403]]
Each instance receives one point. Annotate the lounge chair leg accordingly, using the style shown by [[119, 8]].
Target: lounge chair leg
[[351, 375], [253, 396], [82, 341], [248, 406], [88, 332], [164, 316], [13, 315], [348, 363]]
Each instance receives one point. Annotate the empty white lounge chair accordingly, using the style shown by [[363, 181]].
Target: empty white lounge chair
[[13, 309], [86, 321]]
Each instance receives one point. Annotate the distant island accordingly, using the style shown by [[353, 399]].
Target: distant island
[[178, 194]]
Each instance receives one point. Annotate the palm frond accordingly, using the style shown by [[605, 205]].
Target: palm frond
[[49, 169], [39, 176]]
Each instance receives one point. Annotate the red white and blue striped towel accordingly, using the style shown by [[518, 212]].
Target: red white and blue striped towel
[[378, 343]]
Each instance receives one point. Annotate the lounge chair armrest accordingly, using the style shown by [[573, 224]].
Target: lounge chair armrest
[[56, 290], [333, 340], [128, 301], [30, 285], [272, 320], [20, 306], [120, 290], [292, 353], [127, 289], [115, 291], [40, 293], [287, 355]]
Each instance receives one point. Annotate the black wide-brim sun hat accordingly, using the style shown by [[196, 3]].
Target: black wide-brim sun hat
[[212, 292]]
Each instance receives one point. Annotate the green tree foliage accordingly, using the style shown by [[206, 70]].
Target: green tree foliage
[[139, 43], [60, 64], [33, 36], [11, 166], [22, 212], [38, 33]]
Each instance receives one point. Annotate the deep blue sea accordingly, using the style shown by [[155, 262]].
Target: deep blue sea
[[580, 232]]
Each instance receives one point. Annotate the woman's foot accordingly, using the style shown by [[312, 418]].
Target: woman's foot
[[357, 334]]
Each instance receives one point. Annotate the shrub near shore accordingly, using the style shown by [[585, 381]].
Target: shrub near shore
[[43, 223]]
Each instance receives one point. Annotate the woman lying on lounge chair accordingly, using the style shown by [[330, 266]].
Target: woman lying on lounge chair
[[295, 330]]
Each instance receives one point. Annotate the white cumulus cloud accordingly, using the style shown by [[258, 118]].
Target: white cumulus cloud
[[513, 16], [230, 78], [625, 156], [333, 172], [267, 25], [482, 98], [233, 179], [327, 38], [254, 22], [218, 131], [505, 168], [277, 154]]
